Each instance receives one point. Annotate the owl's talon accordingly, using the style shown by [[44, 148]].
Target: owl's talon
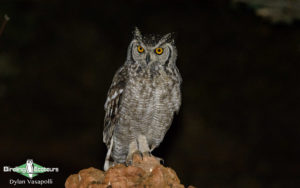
[[146, 154], [138, 153], [128, 162]]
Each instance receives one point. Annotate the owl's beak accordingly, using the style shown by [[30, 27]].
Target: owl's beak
[[148, 58]]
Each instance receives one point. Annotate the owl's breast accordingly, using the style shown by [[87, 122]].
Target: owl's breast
[[148, 104], [148, 94]]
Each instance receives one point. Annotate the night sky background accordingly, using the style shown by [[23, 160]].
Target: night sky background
[[239, 121]]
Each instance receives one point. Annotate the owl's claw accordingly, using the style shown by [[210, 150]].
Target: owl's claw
[[129, 159], [128, 162], [146, 154], [142, 155]]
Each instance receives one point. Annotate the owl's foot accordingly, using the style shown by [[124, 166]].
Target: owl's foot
[[146, 154], [128, 162], [133, 149], [149, 154], [129, 159]]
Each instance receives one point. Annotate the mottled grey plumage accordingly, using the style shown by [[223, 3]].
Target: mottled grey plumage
[[142, 99]]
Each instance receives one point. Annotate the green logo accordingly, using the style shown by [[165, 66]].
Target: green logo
[[29, 169]]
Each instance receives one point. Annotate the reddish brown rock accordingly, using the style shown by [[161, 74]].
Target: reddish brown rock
[[144, 172], [85, 178]]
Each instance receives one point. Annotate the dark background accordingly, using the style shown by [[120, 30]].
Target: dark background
[[238, 125]]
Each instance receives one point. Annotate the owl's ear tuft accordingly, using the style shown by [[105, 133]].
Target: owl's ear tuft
[[137, 34], [168, 38]]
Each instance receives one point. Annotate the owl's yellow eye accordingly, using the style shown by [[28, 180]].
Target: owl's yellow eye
[[140, 49], [159, 51]]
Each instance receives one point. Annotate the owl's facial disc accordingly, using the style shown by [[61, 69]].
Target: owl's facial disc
[[138, 51], [148, 54]]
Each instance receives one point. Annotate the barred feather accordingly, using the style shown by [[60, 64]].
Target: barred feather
[[112, 104]]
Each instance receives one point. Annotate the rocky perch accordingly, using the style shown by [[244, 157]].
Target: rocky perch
[[144, 172]]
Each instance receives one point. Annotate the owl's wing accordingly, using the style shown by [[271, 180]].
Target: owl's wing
[[112, 103]]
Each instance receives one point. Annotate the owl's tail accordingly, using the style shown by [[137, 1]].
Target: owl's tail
[[107, 162]]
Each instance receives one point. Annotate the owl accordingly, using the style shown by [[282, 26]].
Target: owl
[[29, 168], [142, 99]]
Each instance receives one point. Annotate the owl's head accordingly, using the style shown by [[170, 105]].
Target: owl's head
[[151, 49]]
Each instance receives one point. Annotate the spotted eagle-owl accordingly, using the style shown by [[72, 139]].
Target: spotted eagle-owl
[[142, 99]]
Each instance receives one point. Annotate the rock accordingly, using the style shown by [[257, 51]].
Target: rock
[[144, 172], [85, 178]]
